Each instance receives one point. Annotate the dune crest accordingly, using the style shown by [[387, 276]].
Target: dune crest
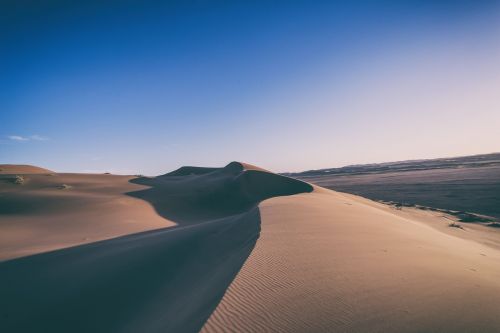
[[194, 170], [166, 280], [214, 192], [333, 262]]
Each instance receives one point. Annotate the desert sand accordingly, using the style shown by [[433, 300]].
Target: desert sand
[[9, 169], [233, 249], [468, 184]]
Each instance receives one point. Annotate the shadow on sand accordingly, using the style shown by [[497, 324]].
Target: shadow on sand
[[167, 280]]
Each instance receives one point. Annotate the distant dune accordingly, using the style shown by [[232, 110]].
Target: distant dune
[[233, 249], [21, 169]]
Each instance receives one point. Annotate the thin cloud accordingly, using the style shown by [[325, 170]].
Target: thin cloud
[[20, 138]]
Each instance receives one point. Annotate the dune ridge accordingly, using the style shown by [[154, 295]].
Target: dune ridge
[[162, 280], [215, 192]]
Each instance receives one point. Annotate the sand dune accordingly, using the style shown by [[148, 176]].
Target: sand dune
[[329, 262], [21, 169], [162, 280], [234, 249], [219, 192], [40, 215]]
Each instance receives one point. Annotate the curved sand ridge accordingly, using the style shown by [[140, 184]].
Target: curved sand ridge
[[193, 170], [312, 262], [167, 280], [215, 192]]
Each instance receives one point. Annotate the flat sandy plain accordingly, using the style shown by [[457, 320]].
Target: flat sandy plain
[[233, 249], [467, 184]]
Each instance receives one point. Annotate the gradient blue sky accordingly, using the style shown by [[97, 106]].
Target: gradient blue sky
[[148, 86]]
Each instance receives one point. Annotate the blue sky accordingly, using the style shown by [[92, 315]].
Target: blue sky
[[148, 86]]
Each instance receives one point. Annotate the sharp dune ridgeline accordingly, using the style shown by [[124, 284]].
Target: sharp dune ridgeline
[[232, 249], [168, 279]]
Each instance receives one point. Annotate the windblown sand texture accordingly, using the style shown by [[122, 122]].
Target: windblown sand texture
[[233, 249]]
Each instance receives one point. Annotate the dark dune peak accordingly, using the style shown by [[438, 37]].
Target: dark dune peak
[[252, 184], [214, 192], [189, 171], [233, 167], [241, 166]]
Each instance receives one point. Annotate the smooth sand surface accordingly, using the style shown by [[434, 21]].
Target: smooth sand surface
[[329, 262], [21, 169], [236, 249], [41, 215]]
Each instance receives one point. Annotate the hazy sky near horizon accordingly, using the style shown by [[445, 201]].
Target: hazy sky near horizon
[[148, 86]]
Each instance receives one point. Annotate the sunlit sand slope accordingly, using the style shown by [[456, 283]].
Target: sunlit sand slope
[[329, 262]]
